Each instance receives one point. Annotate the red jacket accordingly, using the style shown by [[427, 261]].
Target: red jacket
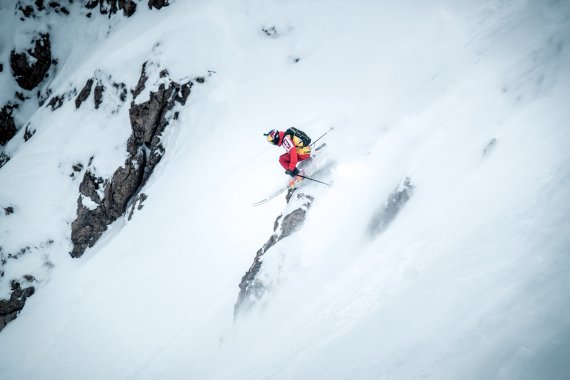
[[290, 148]]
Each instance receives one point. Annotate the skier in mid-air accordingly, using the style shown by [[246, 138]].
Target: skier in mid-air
[[297, 148]]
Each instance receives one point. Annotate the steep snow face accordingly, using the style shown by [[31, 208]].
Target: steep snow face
[[469, 280]]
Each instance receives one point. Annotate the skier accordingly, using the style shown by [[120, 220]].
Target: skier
[[297, 148]]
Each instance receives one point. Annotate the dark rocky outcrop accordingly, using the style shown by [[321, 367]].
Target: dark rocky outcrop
[[98, 94], [109, 199], [28, 133], [149, 119], [251, 288], [92, 222], [28, 10], [3, 159], [111, 7], [84, 93], [137, 204], [270, 31], [29, 67], [390, 209], [116, 93], [77, 168], [7, 125], [158, 4], [56, 102], [10, 308]]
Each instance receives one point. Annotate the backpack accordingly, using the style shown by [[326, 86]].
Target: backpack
[[306, 140]]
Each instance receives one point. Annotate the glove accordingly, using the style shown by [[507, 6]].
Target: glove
[[293, 173]]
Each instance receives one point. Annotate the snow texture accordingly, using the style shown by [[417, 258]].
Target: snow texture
[[469, 279]]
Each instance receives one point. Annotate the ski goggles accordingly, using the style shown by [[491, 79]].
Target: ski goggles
[[272, 136]]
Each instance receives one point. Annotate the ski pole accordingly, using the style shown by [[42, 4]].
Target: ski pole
[[312, 179], [314, 142]]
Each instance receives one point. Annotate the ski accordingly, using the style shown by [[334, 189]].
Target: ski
[[277, 193]]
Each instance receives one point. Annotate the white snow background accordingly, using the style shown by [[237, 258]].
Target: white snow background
[[470, 281]]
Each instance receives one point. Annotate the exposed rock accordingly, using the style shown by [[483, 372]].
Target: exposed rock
[[137, 204], [10, 308], [393, 205], [87, 229], [270, 31], [91, 4], [251, 288], [109, 200], [3, 159], [149, 119], [8, 210], [124, 184], [111, 7], [98, 94], [1, 67], [43, 96], [141, 83], [56, 102], [28, 133], [121, 90], [31, 66], [89, 225], [129, 7], [77, 168], [29, 278], [91, 186], [158, 4], [27, 10], [7, 125], [84, 93]]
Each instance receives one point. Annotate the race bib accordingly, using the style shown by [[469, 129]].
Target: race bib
[[287, 143]]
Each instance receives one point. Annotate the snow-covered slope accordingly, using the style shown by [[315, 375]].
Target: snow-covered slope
[[468, 100]]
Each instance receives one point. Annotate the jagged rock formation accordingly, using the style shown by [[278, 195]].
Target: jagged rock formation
[[113, 6], [101, 201], [104, 86], [393, 205], [10, 308], [7, 125], [29, 67], [158, 4], [251, 287], [98, 94], [3, 159], [84, 93], [30, 8]]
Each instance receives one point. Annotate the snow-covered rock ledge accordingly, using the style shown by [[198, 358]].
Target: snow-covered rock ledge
[[111, 197], [252, 288]]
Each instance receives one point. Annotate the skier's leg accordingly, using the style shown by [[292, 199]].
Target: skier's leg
[[285, 160]]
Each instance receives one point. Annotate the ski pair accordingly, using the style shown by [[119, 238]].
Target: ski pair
[[288, 187]]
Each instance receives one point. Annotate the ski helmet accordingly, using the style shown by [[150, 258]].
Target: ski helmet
[[273, 136]]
